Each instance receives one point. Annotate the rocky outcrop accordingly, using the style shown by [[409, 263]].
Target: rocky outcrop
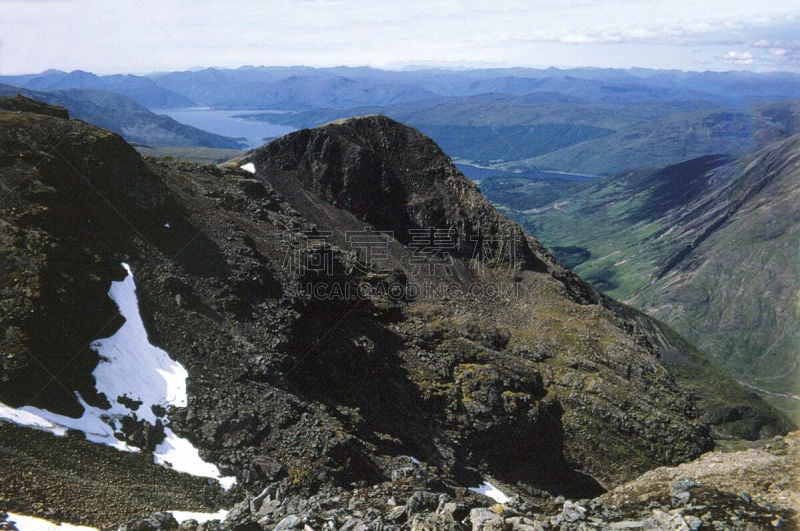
[[324, 167], [749, 489], [758, 486], [312, 364], [74, 197], [396, 179]]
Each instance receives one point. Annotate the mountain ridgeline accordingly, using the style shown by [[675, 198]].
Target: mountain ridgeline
[[350, 302], [588, 121], [144, 91]]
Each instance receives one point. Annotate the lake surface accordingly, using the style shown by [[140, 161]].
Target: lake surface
[[224, 122], [477, 173]]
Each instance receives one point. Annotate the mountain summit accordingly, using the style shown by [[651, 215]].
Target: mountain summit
[[377, 173], [396, 179]]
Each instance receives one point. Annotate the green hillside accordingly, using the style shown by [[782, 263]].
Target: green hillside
[[710, 246]]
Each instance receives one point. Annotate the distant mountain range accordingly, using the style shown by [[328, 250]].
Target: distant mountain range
[[592, 121], [140, 89], [251, 87], [550, 131]]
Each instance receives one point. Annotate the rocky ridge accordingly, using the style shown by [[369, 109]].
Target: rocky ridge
[[755, 488], [751, 489], [316, 393]]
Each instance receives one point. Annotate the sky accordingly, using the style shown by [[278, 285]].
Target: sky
[[145, 36]]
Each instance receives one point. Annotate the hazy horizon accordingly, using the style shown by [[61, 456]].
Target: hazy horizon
[[408, 68], [145, 36]]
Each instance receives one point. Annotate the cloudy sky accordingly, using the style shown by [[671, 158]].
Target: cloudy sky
[[142, 36]]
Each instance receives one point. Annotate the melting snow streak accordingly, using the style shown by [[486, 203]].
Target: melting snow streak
[[133, 369], [487, 489], [30, 523]]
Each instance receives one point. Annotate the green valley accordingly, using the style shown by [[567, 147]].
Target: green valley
[[709, 245]]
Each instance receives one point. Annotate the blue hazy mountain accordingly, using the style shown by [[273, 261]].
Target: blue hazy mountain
[[125, 117]]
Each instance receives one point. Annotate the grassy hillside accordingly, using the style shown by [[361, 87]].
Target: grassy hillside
[[191, 153], [654, 144], [710, 246]]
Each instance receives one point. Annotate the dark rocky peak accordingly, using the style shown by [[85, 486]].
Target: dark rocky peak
[[87, 161], [396, 179], [20, 103]]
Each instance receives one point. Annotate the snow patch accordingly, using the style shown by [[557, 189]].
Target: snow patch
[[136, 377], [93, 423], [487, 489], [29, 523], [179, 454], [200, 518], [131, 367], [23, 417], [249, 167]]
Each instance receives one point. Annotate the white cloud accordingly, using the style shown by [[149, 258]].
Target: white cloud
[[144, 35], [788, 45], [739, 58], [778, 54]]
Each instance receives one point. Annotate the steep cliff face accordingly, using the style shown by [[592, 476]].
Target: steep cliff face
[[391, 177], [353, 301]]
